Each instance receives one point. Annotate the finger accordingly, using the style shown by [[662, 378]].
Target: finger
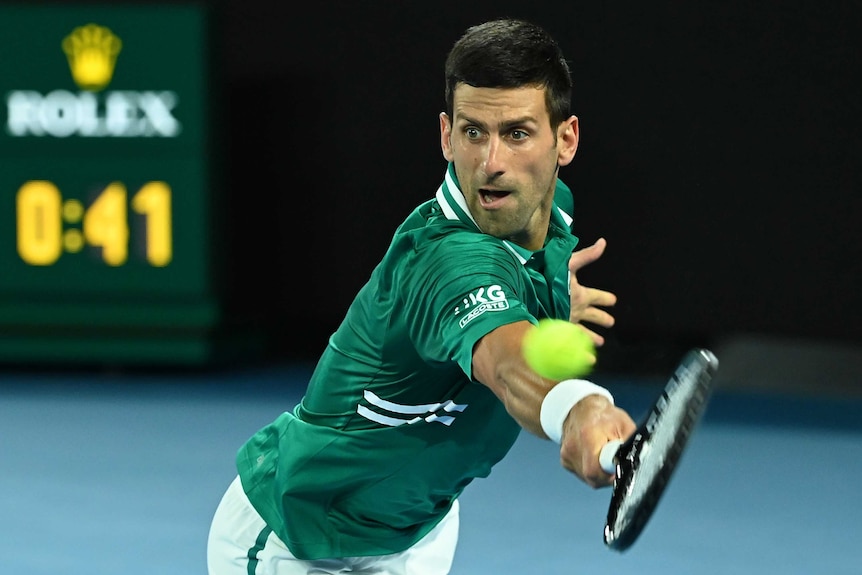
[[597, 339], [598, 317], [588, 298], [601, 297], [587, 255]]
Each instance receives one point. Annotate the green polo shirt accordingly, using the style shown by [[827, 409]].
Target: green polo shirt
[[393, 427]]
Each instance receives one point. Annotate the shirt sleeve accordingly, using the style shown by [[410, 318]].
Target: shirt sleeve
[[459, 291]]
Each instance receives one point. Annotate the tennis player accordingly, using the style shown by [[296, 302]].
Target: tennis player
[[423, 387]]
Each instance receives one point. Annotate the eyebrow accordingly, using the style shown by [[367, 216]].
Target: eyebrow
[[506, 125]]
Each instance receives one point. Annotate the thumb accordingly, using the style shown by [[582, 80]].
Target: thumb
[[588, 255]]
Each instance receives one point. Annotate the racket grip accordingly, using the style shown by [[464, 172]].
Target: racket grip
[[607, 454]]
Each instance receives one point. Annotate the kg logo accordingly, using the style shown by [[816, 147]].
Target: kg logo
[[485, 299]]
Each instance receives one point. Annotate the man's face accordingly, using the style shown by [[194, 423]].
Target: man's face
[[506, 157]]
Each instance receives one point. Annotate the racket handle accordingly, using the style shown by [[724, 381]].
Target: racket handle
[[607, 454]]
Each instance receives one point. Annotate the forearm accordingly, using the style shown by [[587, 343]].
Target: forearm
[[498, 364], [579, 415]]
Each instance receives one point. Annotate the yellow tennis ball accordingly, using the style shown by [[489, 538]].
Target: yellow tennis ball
[[558, 349]]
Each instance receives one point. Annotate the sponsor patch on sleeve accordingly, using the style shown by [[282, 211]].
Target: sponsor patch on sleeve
[[477, 302]]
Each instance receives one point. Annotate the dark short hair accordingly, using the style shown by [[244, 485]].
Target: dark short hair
[[511, 53]]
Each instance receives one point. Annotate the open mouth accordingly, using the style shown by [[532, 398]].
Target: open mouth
[[492, 197]]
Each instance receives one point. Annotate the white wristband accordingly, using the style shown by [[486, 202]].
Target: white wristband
[[560, 401]]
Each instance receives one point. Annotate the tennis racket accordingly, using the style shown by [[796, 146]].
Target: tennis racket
[[644, 464]]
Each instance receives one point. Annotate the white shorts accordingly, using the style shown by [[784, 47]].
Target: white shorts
[[241, 544]]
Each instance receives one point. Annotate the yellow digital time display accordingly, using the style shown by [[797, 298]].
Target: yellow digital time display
[[41, 214], [107, 200]]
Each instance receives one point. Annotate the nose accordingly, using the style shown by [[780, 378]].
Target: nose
[[495, 153]]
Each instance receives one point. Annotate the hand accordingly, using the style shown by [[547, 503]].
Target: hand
[[584, 299], [591, 423]]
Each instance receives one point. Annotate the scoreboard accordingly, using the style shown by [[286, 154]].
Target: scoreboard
[[108, 201]]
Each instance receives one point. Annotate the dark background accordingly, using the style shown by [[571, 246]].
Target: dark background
[[720, 157]]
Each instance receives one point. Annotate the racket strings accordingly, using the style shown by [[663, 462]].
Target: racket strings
[[655, 449]]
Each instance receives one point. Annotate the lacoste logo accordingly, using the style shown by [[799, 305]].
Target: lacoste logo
[[478, 302], [92, 52]]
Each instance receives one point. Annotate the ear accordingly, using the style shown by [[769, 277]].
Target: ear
[[568, 135], [446, 136]]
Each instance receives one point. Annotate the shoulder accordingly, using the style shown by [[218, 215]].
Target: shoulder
[[471, 251], [427, 233]]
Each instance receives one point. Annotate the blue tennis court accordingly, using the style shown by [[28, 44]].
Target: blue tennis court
[[110, 473]]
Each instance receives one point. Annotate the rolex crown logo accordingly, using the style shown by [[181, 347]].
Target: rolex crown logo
[[92, 52]]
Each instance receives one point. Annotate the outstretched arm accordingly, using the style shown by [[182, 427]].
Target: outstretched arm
[[594, 420]]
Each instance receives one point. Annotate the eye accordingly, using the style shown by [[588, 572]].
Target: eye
[[519, 135], [472, 133]]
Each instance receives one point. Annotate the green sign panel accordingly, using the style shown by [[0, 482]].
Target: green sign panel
[[106, 197]]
